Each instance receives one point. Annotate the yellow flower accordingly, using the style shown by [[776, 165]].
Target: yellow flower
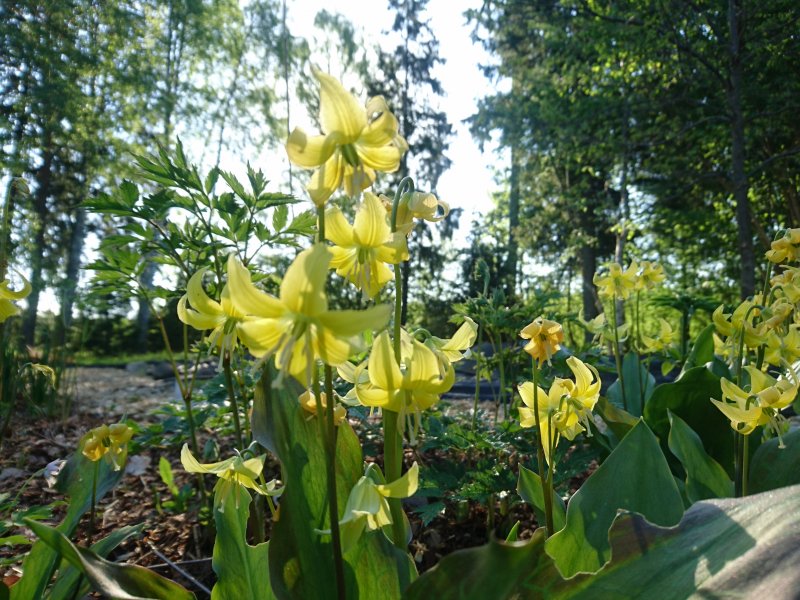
[[785, 348], [221, 317], [734, 325], [356, 142], [367, 507], [297, 328], [418, 384], [109, 441], [417, 205], [7, 307], [666, 337], [545, 338], [789, 283], [565, 409], [452, 350], [362, 251], [760, 405], [234, 473], [785, 248], [617, 283], [309, 403], [652, 274]]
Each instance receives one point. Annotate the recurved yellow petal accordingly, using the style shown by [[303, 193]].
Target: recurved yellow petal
[[404, 487], [339, 111], [371, 227], [303, 285], [309, 152], [246, 297]]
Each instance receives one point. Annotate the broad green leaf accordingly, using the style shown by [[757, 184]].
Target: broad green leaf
[[68, 578], [639, 385], [619, 422], [530, 489], [772, 467], [703, 349], [728, 548], [75, 480], [635, 477], [242, 570], [705, 478], [689, 397], [300, 559], [122, 582]]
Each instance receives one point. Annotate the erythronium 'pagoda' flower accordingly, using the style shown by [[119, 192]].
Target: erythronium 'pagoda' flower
[[651, 275], [234, 473], [356, 142], [221, 317], [741, 322], [545, 338], [565, 409], [760, 405], [309, 403], [616, 282], [666, 337], [784, 348], [417, 385], [7, 297], [452, 350], [110, 441], [417, 205], [297, 328], [367, 507], [788, 283], [785, 248], [362, 250]]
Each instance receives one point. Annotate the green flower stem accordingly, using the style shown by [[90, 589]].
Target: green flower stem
[[92, 512], [226, 366], [328, 432], [548, 497], [548, 484], [477, 386], [745, 463], [739, 463], [617, 357], [392, 440]]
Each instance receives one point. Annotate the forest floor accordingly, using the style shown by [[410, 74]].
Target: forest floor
[[175, 542]]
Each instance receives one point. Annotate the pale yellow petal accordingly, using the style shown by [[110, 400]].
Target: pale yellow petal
[[262, 336], [191, 464], [246, 297], [346, 323], [339, 110], [370, 395], [371, 225], [404, 487], [326, 179], [334, 350], [198, 320], [382, 127], [462, 339], [383, 370], [395, 250], [10, 294], [381, 158], [303, 285], [309, 152], [337, 229], [198, 297]]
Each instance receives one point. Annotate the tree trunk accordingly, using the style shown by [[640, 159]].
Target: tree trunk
[[747, 281], [513, 224], [70, 284]]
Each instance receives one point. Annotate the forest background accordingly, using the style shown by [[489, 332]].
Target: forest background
[[643, 130]]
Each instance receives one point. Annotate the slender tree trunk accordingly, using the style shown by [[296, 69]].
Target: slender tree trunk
[[72, 273], [43, 181], [747, 280], [513, 224]]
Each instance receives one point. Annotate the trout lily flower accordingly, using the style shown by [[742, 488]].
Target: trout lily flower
[[760, 405], [651, 275], [740, 322], [297, 327], [367, 507], [665, 338], [234, 474], [417, 205], [565, 409], [456, 348], [220, 317], [785, 248], [8, 296], [417, 384], [356, 142], [308, 401], [617, 283], [110, 441], [545, 338], [362, 250]]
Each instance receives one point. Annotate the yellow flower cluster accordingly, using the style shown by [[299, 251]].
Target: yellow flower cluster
[[565, 409], [620, 283], [109, 441], [545, 338]]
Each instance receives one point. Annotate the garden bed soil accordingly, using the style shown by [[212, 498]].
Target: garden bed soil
[[175, 542]]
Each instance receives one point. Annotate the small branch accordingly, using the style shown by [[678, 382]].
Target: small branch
[[185, 574]]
